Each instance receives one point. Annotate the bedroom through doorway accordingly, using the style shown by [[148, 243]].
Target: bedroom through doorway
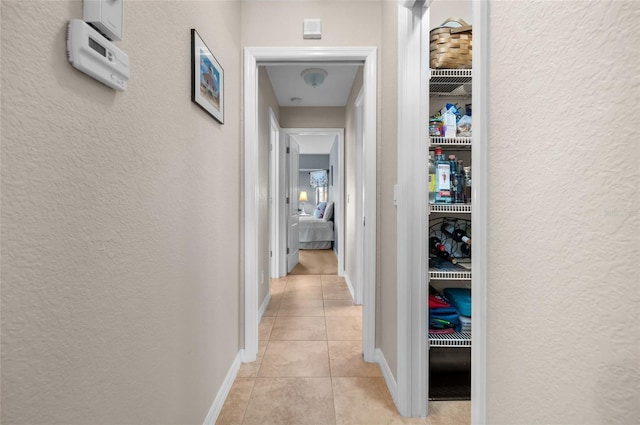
[[258, 177]]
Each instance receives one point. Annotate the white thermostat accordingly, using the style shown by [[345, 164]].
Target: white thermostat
[[90, 52]]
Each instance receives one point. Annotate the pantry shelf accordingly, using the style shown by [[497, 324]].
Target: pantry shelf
[[450, 82], [456, 339], [449, 141], [449, 274], [450, 208]]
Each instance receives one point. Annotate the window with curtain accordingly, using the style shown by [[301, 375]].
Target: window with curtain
[[319, 178], [321, 194], [319, 181]]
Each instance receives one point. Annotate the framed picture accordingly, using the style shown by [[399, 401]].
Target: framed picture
[[207, 78]]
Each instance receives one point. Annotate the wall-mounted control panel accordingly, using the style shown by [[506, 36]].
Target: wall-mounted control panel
[[312, 29], [90, 52], [105, 16]]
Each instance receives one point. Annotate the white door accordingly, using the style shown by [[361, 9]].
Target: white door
[[293, 187]]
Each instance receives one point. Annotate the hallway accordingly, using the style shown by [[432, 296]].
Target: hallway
[[310, 370]]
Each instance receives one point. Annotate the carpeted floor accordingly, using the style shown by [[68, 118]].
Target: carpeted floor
[[316, 261]]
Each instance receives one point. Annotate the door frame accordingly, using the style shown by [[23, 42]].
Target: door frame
[[277, 264], [258, 55], [411, 193], [359, 213], [338, 211], [413, 44], [480, 218]]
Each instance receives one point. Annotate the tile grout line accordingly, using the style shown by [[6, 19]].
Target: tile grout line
[[333, 394], [244, 411]]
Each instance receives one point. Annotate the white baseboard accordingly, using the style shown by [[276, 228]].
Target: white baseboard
[[349, 285], [264, 306], [392, 385], [223, 392]]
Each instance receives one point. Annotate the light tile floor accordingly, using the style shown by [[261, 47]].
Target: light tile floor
[[310, 370]]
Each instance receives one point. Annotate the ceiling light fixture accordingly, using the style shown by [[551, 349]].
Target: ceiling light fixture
[[314, 76], [296, 100]]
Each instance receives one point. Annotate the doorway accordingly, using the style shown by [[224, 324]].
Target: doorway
[[253, 58], [313, 143]]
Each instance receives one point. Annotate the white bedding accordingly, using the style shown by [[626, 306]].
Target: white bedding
[[315, 229], [316, 245]]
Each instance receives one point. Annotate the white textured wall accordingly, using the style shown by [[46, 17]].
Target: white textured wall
[[564, 310], [120, 220]]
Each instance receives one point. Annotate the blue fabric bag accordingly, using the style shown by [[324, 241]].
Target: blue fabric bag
[[443, 318], [460, 298]]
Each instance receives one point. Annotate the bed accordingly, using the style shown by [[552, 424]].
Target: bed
[[316, 231]]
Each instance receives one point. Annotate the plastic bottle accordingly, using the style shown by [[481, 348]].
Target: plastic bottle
[[454, 163], [432, 179], [467, 184], [458, 194], [443, 178], [455, 182]]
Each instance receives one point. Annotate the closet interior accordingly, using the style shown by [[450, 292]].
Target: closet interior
[[447, 60]]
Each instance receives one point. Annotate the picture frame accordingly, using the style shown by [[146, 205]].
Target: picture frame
[[207, 78]]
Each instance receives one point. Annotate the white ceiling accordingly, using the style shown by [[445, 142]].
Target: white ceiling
[[314, 144], [288, 83]]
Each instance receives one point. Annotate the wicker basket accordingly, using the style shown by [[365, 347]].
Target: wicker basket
[[451, 46]]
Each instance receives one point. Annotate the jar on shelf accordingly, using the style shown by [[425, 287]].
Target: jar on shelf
[[436, 128]]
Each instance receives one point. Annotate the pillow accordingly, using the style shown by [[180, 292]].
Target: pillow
[[319, 211], [328, 212]]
